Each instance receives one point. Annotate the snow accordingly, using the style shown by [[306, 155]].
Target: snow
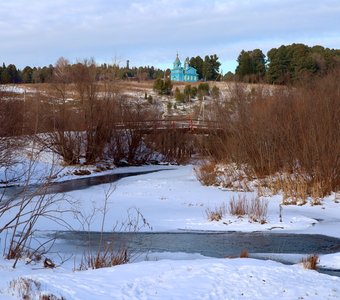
[[330, 261], [14, 89], [172, 199], [184, 279]]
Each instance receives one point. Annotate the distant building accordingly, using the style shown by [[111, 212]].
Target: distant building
[[187, 74]]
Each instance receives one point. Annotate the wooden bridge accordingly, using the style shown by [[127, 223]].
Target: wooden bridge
[[181, 125]]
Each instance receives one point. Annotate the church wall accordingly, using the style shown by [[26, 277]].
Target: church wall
[[187, 74]]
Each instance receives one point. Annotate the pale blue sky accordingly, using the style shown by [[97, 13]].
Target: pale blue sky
[[38, 32]]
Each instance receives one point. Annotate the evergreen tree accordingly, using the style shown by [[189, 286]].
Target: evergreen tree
[[259, 64], [27, 75], [207, 69], [244, 67], [251, 66], [229, 76], [162, 86], [211, 67], [13, 74], [215, 92], [4, 75], [278, 69], [194, 91], [187, 92], [298, 62], [203, 90], [180, 97], [197, 63]]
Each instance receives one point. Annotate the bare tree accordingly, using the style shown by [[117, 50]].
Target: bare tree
[[11, 123]]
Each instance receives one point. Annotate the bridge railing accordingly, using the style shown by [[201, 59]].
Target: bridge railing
[[168, 124]]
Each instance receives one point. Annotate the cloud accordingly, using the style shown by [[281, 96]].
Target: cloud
[[150, 32]]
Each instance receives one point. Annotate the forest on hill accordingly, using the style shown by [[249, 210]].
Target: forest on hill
[[288, 64]]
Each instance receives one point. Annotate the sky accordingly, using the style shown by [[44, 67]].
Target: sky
[[151, 32]]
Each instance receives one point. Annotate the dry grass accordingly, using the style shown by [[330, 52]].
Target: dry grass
[[257, 210], [227, 176], [25, 287], [216, 214], [28, 289], [289, 130], [104, 259], [298, 189], [50, 297], [295, 189], [244, 254], [234, 177], [206, 173], [310, 262], [316, 193], [238, 207]]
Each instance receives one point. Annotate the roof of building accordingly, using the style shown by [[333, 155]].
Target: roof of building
[[177, 62]]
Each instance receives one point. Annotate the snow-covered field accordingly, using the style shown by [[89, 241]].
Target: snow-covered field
[[173, 199], [15, 89], [181, 279]]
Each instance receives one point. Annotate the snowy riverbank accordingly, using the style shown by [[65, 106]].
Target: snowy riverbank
[[172, 200]]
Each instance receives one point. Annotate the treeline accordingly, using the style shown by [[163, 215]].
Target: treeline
[[11, 74], [207, 69], [286, 64]]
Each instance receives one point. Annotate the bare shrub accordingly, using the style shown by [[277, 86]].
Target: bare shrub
[[11, 129], [90, 120], [287, 130], [227, 176], [26, 208], [104, 253], [297, 189], [244, 254], [238, 207], [25, 287], [316, 193], [21, 227], [175, 144], [50, 297], [107, 257], [206, 173], [28, 288], [257, 210], [234, 177], [294, 189], [86, 120], [217, 213], [310, 262], [134, 136]]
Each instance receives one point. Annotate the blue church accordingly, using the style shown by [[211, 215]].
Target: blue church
[[187, 74]]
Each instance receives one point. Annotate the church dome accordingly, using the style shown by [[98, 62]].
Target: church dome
[[177, 62]]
